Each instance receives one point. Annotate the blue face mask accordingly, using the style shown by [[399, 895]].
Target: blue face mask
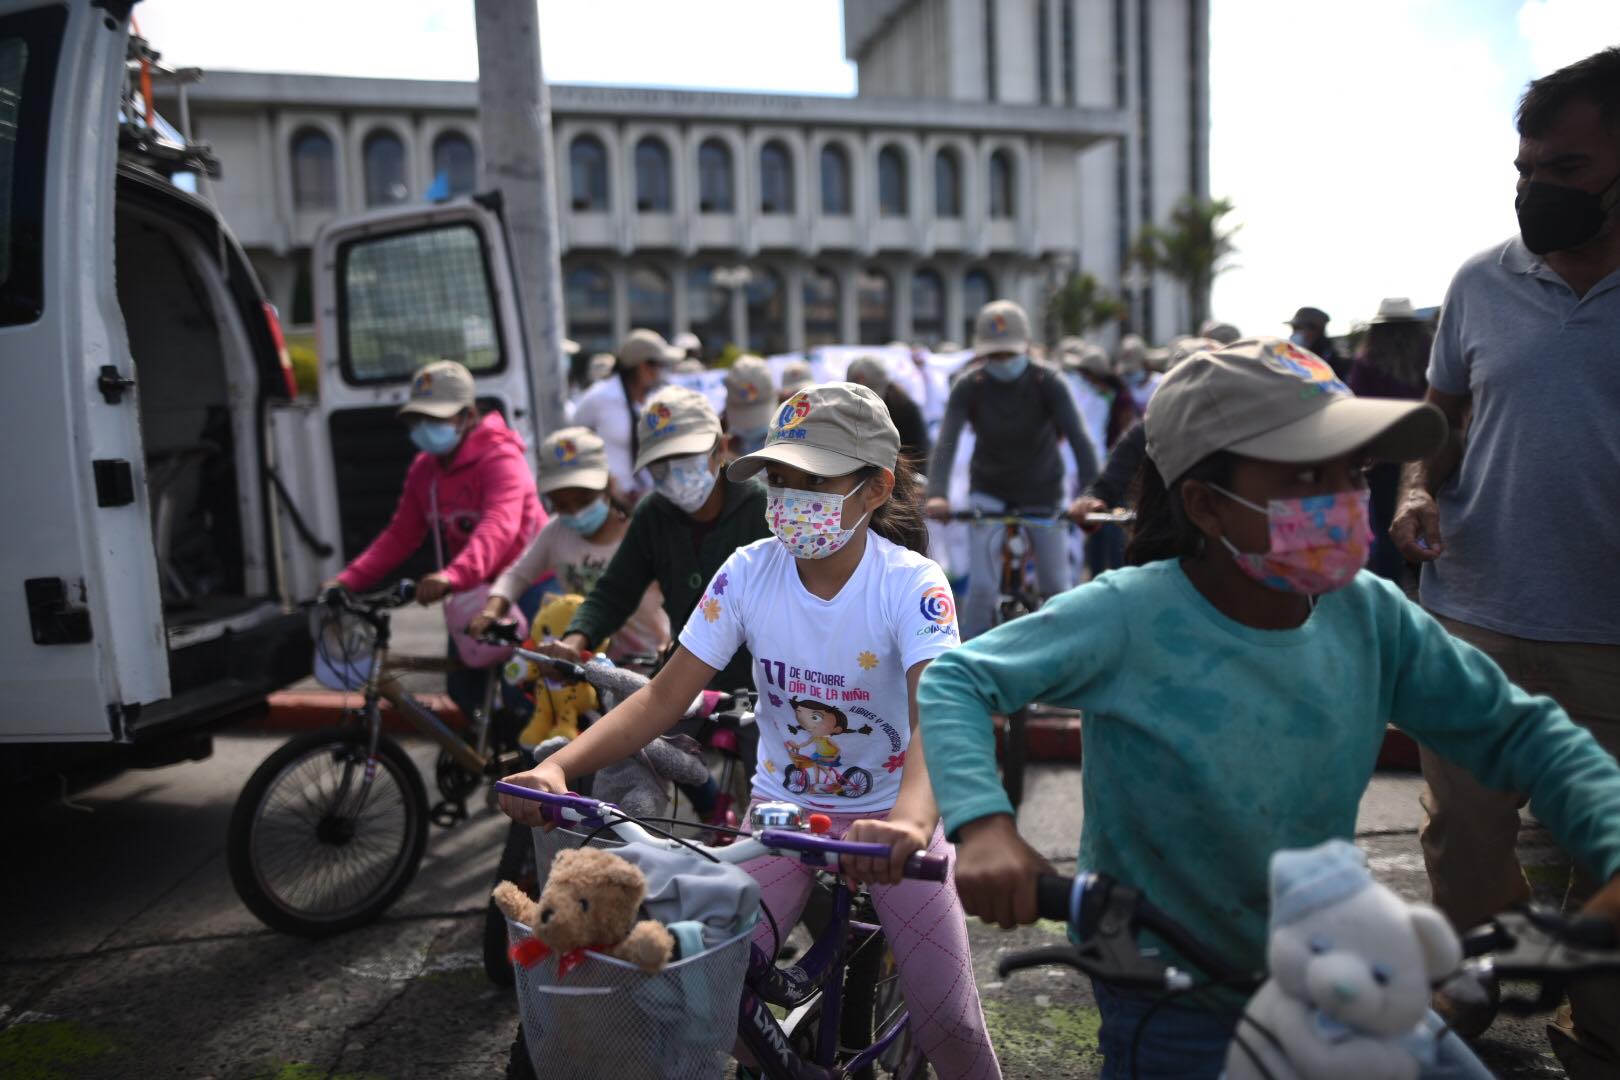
[[588, 520], [1008, 370], [435, 436], [1300, 338]]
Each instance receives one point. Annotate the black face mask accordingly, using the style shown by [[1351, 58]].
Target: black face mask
[[1553, 217]]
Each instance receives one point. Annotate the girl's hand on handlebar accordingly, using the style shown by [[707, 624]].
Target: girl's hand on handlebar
[[905, 839], [434, 586], [543, 777], [996, 872], [494, 608]]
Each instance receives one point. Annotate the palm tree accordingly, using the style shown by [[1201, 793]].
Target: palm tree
[[1192, 248], [1080, 304]]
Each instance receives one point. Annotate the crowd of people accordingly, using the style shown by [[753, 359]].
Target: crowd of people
[[1409, 532]]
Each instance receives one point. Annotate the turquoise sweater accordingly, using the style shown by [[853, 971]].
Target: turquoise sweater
[[1209, 744]]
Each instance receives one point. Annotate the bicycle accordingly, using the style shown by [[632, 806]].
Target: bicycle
[[330, 829], [840, 990], [1534, 942]]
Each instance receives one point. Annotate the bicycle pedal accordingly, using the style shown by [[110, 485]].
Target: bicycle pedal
[[447, 815]]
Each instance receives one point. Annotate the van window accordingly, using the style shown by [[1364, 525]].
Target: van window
[[29, 43], [407, 299]]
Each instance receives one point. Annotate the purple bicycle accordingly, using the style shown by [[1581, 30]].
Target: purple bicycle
[[845, 1017]]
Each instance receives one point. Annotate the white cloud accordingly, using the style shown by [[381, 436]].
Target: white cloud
[[1560, 32]]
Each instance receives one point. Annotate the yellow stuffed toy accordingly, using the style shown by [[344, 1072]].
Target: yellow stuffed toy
[[558, 704]]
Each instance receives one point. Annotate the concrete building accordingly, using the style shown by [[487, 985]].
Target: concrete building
[[995, 146]]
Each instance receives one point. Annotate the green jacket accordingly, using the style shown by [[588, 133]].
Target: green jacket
[[658, 547]]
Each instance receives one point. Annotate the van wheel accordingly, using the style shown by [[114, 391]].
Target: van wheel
[[314, 848]]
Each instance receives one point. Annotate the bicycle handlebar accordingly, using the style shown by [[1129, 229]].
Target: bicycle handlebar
[[811, 848], [985, 517]]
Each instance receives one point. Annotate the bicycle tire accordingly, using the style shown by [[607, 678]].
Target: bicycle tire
[[299, 761], [1015, 756], [516, 865]]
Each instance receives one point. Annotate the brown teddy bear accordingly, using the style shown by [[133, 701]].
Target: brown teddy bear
[[590, 902]]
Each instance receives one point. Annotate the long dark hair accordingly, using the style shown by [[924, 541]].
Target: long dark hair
[[1162, 529], [900, 520]]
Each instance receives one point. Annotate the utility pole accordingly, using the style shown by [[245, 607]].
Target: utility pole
[[514, 118]]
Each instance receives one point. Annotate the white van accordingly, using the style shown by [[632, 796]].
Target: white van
[[172, 504]]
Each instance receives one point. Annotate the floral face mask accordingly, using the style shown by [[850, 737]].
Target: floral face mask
[[809, 523], [1318, 543]]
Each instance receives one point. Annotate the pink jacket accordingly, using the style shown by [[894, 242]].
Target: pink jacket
[[488, 511]]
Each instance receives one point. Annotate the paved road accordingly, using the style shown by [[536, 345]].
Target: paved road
[[126, 953]]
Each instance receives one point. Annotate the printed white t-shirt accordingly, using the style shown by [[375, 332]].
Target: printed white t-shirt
[[834, 716]]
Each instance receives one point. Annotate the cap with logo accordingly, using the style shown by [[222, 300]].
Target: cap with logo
[[1268, 399], [750, 394], [870, 372], [644, 345], [1002, 327], [572, 457], [440, 390], [830, 429], [674, 423], [1394, 309], [796, 375]]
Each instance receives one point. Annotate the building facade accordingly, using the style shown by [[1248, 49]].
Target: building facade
[[996, 146]]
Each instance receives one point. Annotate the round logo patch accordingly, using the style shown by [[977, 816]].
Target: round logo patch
[[660, 420], [566, 451], [794, 413], [423, 384], [937, 606]]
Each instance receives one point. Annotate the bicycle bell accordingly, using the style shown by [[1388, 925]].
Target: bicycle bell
[[778, 815]]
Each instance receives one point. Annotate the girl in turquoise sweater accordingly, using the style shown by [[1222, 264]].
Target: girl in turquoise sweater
[[1237, 679]]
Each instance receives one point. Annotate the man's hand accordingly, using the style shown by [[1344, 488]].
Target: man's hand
[[937, 508], [996, 872], [1416, 527], [905, 839], [571, 647], [433, 587], [1087, 504], [543, 777]]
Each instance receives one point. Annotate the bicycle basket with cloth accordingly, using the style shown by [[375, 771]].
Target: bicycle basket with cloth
[[345, 647]]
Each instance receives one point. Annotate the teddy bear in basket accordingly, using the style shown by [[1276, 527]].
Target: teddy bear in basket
[[558, 704], [590, 901], [1351, 967]]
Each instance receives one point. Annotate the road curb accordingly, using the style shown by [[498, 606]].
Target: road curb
[[310, 710]]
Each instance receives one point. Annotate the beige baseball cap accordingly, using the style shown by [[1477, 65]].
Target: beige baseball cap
[[750, 394], [572, 457], [440, 390], [830, 429], [676, 422], [1002, 327], [1269, 399], [869, 371], [796, 375], [643, 345]]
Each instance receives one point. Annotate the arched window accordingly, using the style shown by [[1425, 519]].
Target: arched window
[[775, 179], [588, 302], [708, 308], [977, 290], [874, 304], [455, 160], [384, 157], [652, 303], [587, 174], [715, 187], [823, 314], [767, 312], [835, 188], [927, 307], [1001, 185], [947, 184], [314, 171], [891, 182], [652, 176]]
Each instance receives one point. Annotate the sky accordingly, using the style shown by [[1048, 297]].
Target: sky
[[1367, 144]]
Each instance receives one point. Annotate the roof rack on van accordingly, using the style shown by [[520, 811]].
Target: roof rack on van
[[143, 135]]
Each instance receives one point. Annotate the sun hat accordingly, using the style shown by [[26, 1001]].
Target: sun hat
[[440, 390], [750, 394], [687, 342], [1394, 309], [796, 375], [572, 457], [676, 422], [870, 372], [1269, 399], [1309, 316], [643, 345], [1002, 327], [830, 429]]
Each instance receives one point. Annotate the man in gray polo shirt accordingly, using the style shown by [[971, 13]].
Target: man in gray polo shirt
[[1518, 532]]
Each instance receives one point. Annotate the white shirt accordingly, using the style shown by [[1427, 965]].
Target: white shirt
[[834, 714], [605, 409]]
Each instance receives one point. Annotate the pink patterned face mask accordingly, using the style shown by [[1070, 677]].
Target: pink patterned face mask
[[1318, 543], [809, 523]]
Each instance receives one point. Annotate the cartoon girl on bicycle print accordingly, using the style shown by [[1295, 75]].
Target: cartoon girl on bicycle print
[[816, 759]]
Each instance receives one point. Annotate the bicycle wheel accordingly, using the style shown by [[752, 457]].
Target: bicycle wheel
[[517, 865], [1015, 755], [312, 849], [871, 1003]]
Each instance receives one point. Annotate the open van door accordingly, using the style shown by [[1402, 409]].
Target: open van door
[[81, 627], [395, 289]]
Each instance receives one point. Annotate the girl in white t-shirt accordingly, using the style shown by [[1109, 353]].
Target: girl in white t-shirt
[[842, 611], [574, 548]]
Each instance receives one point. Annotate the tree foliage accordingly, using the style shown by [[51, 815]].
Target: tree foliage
[[1192, 248], [1081, 304]]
